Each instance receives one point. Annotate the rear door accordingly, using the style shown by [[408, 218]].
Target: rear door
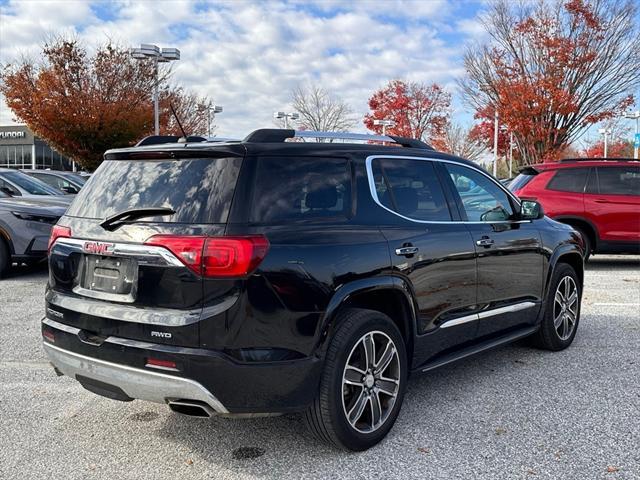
[[428, 248], [509, 252], [612, 202], [138, 278]]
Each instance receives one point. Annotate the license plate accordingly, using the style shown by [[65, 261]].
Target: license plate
[[113, 276]]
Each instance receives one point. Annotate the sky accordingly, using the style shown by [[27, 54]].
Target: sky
[[249, 55]]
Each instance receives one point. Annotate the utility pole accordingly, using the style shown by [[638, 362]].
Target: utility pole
[[495, 144]]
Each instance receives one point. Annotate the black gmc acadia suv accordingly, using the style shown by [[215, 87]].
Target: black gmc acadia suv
[[267, 276]]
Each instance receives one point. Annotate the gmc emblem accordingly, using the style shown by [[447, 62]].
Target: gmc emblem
[[98, 248]]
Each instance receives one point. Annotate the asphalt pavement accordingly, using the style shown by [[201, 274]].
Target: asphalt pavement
[[512, 413]]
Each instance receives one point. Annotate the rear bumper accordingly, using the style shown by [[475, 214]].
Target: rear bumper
[[117, 368], [134, 382]]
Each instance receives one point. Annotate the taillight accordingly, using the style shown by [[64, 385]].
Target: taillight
[[57, 232], [216, 257]]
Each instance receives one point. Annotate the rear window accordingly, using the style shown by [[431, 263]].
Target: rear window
[[301, 188], [569, 180], [520, 181], [199, 190]]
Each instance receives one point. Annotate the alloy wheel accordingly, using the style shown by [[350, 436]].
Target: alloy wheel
[[565, 307], [370, 382]]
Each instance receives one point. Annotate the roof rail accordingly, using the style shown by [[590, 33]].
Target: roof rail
[[275, 135], [160, 139], [601, 159]]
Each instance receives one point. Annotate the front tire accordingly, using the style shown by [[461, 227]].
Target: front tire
[[587, 243], [363, 381], [562, 310]]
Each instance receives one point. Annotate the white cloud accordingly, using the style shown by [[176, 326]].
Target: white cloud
[[249, 55]]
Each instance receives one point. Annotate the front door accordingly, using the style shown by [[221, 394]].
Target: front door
[[432, 252], [508, 251]]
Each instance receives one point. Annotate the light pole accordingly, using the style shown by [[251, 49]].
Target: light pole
[[634, 116], [211, 110], [510, 154], [385, 124], [165, 55], [495, 144], [606, 132], [286, 116]]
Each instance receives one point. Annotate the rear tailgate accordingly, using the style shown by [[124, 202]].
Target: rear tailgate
[[111, 281]]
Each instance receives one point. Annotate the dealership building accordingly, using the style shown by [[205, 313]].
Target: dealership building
[[20, 148]]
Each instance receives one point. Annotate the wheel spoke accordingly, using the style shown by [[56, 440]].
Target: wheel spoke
[[567, 287], [573, 299], [385, 359], [369, 350], [557, 321], [571, 317], [387, 386], [353, 376], [358, 408], [559, 297], [376, 409], [565, 326]]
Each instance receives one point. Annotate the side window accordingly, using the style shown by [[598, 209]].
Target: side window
[[9, 189], [410, 188], [482, 199], [569, 180], [619, 180], [301, 188]]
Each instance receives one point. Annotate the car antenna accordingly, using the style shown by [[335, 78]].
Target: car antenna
[[184, 135]]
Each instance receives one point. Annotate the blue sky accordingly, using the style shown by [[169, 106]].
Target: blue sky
[[249, 55]]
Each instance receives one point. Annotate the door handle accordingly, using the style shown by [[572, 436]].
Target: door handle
[[406, 251], [601, 200], [484, 242]]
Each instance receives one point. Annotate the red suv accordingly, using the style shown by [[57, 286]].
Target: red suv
[[598, 197]]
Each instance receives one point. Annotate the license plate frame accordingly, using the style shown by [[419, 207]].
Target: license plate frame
[[108, 278]]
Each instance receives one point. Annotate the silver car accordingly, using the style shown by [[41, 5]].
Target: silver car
[[25, 226], [17, 184]]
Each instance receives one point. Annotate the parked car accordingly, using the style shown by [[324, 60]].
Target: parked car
[[18, 184], [598, 197], [267, 276], [66, 182], [25, 227]]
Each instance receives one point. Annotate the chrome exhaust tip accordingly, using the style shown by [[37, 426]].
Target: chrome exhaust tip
[[192, 408]]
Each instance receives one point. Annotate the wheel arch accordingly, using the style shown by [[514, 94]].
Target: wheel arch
[[569, 255], [386, 294], [584, 224]]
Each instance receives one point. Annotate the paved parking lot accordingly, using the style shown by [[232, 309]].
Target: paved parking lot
[[515, 412]]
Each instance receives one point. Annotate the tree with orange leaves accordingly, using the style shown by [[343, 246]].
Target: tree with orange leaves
[[553, 68], [418, 110], [84, 104]]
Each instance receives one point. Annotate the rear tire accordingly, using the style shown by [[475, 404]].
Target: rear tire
[[360, 398], [562, 311], [5, 258]]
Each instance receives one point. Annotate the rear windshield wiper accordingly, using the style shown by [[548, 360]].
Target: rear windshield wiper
[[115, 221]]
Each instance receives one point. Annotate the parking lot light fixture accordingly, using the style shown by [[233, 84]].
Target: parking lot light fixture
[[165, 55], [606, 132], [384, 123], [286, 116], [211, 111], [634, 116]]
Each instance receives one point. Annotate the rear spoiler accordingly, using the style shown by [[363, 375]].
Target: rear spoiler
[[529, 170]]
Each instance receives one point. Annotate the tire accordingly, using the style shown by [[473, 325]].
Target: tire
[[327, 418], [554, 335], [587, 243], [5, 258]]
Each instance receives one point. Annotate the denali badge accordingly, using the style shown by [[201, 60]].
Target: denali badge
[[55, 313], [98, 248], [160, 334]]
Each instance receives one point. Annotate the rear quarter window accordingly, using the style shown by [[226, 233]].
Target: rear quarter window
[[199, 190], [301, 188], [569, 180]]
